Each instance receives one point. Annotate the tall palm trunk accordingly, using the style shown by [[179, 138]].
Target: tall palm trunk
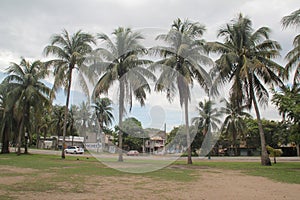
[[121, 109], [37, 138], [26, 144], [63, 156], [58, 129], [99, 134], [188, 138], [265, 160], [27, 122], [235, 145], [5, 138], [21, 127]]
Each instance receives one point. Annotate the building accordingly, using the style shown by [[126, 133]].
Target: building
[[54, 143], [156, 143]]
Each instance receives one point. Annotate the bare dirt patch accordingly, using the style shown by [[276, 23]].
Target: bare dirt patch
[[11, 180], [11, 169]]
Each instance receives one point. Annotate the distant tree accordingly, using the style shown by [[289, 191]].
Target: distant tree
[[287, 100], [103, 111], [209, 118], [177, 138], [41, 123], [71, 124], [57, 120], [83, 117], [234, 125], [104, 117], [133, 134]]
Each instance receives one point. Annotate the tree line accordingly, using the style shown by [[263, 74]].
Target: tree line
[[246, 63]]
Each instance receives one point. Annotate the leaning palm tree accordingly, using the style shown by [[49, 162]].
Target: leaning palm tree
[[28, 92], [234, 124], [293, 56], [182, 63], [121, 64], [71, 52], [246, 62]]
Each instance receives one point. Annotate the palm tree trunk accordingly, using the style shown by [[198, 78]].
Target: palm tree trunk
[[102, 136], [27, 124], [37, 138], [235, 143], [265, 160], [26, 139], [5, 138], [121, 109], [63, 156], [188, 138], [20, 136]]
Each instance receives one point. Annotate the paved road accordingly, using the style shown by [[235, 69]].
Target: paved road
[[169, 157]]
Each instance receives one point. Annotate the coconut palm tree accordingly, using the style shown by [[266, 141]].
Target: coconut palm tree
[[57, 121], [293, 56], [209, 118], [71, 125], [83, 117], [71, 51], [121, 64], [182, 63], [103, 111], [84, 114], [234, 124], [28, 92], [286, 99], [291, 20], [43, 120], [246, 62]]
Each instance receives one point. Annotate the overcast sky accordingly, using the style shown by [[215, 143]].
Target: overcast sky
[[27, 25]]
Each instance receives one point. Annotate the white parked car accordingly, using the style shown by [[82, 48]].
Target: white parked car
[[132, 153], [74, 149]]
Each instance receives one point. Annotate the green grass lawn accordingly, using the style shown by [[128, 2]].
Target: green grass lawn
[[288, 172]]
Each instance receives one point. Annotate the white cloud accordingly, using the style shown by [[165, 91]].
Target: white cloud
[[26, 26]]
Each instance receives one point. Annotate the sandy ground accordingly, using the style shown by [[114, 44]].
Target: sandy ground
[[210, 184]]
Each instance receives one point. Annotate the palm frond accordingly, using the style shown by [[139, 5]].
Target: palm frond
[[292, 19]]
